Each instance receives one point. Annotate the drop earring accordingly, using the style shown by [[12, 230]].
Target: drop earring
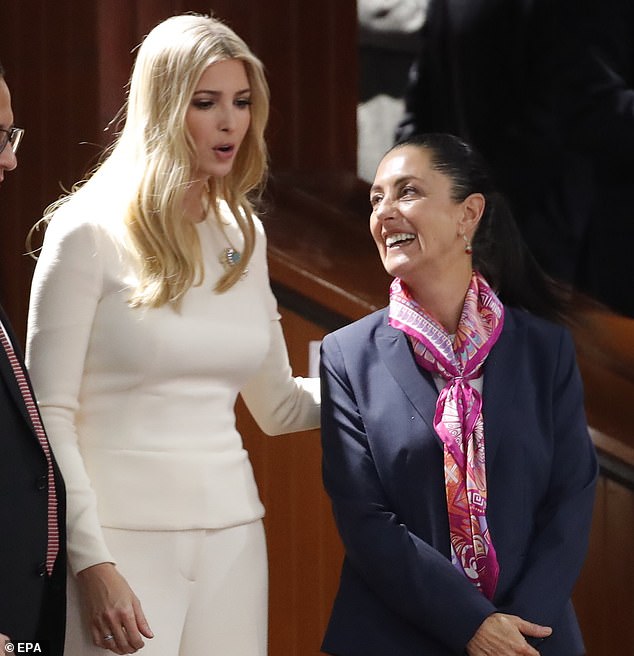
[[468, 247]]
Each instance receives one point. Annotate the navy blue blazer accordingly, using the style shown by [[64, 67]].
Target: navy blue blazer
[[32, 605], [399, 593]]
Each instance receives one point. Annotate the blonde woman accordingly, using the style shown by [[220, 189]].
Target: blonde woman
[[151, 311]]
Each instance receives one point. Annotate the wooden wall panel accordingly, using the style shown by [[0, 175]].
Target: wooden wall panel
[[604, 596], [49, 53], [618, 629]]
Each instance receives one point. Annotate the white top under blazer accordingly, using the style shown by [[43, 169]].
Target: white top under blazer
[[139, 403]]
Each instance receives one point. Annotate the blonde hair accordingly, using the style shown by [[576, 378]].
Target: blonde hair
[[146, 172]]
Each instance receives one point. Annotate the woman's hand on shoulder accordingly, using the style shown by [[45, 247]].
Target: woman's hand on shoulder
[[505, 635], [114, 613]]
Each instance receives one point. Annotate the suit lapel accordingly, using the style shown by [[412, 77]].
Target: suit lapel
[[500, 386], [417, 385], [7, 374]]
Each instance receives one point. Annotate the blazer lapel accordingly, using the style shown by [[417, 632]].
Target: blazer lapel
[[500, 386], [7, 374], [417, 385], [499, 390]]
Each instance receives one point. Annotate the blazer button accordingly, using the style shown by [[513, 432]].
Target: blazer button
[[42, 482], [41, 569]]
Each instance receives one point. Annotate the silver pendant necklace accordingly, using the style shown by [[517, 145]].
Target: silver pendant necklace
[[229, 257]]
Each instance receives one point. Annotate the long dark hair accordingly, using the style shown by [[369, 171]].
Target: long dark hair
[[499, 251]]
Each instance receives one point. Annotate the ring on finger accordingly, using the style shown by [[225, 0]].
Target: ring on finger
[[108, 636]]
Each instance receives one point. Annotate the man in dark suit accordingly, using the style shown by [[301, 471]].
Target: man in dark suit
[[544, 89], [32, 497]]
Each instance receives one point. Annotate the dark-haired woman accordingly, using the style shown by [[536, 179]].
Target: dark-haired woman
[[456, 451]]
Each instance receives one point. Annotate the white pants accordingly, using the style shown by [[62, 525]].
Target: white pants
[[203, 592]]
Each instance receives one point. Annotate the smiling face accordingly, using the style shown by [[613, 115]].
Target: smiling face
[[218, 117], [415, 223]]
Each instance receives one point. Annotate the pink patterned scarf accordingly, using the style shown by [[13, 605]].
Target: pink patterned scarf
[[458, 419]]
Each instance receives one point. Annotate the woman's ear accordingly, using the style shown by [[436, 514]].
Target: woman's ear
[[473, 209]]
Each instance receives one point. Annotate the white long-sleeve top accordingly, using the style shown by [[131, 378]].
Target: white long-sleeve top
[[139, 403]]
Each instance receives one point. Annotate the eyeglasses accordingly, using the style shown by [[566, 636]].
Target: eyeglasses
[[11, 136]]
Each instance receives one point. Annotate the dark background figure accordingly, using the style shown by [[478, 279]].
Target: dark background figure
[[32, 585], [595, 92], [389, 33], [543, 88]]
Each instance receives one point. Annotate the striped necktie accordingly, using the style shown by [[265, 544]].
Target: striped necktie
[[53, 529]]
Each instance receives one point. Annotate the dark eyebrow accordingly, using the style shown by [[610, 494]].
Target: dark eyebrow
[[398, 182], [405, 178]]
